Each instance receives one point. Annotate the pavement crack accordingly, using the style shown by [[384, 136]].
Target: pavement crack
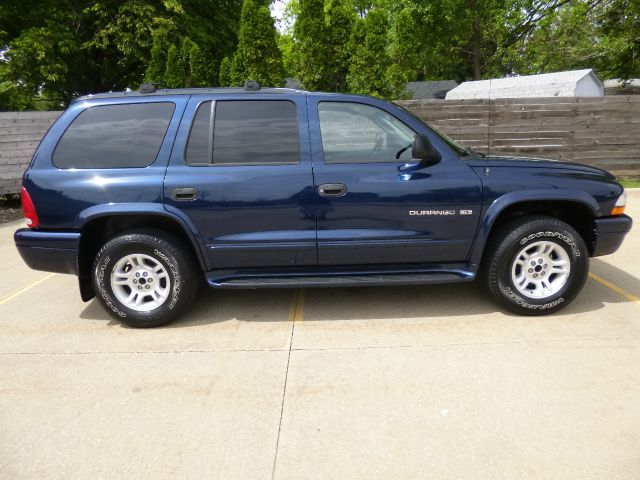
[[284, 393]]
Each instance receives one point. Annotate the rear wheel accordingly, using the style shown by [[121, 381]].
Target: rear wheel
[[536, 265], [144, 279]]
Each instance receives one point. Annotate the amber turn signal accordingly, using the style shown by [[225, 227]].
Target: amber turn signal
[[618, 208]]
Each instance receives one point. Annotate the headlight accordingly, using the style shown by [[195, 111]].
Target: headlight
[[618, 208]]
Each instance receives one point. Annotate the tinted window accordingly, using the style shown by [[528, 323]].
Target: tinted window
[[199, 144], [114, 136], [246, 132], [358, 133]]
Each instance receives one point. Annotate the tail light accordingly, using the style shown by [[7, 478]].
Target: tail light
[[29, 209]]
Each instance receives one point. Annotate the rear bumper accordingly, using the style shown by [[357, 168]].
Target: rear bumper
[[610, 233], [49, 251]]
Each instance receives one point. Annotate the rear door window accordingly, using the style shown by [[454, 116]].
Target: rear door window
[[114, 136], [244, 132]]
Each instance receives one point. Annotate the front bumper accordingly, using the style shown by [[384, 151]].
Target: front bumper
[[49, 251], [610, 233]]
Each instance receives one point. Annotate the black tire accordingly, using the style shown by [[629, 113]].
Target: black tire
[[507, 246], [180, 278]]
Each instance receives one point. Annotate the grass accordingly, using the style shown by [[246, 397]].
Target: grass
[[630, 182]]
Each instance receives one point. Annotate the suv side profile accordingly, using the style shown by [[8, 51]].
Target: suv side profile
[[144, 194]]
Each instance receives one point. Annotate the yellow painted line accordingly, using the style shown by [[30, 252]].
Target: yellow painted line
[[27, 287], [296, 311], [623, 293]]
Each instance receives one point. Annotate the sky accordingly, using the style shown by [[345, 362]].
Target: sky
[[277, 10]]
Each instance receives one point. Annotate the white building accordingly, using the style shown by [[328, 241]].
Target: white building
[[575, 83]]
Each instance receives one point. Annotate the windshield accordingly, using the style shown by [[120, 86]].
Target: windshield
[[459, 149]]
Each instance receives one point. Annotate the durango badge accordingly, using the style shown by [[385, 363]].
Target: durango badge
[[432, 212]]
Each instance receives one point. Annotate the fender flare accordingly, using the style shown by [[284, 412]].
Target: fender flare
[[148, 209], [512, 198]]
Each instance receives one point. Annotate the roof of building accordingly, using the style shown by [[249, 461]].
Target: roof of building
[[430, 89], [556, 84]]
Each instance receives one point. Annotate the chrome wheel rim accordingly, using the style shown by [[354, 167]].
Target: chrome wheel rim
[[140, 282], [540, 270]]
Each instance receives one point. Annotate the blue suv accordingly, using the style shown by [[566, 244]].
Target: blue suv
[[143, 195]]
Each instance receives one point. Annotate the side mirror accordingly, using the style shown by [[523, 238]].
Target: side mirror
[[423, 150]]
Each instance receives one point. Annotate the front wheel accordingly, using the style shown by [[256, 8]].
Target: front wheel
[[536, 265], [144, 279]]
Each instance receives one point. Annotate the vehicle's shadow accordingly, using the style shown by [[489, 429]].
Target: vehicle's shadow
[[616, 276], [358, 303]]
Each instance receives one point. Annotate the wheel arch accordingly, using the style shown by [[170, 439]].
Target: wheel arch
[[98, 227], [576, 208]]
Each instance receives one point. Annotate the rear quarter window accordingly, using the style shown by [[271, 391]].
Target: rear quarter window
[[114, 136]]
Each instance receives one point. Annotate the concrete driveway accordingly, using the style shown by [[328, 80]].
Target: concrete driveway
[[394, 382]]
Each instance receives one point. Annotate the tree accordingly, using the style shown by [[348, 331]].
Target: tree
[[158, 63], [620, 42], [339, 21], [175, 68], [58, 50], [403, 50], [257, 56], [310, 48], [285, 44], [561, 41], [369, 63], [224, 75], [200, 71]]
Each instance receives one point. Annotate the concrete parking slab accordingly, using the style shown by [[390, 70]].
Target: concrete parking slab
[[51, 318], [178, 415], [13, 274], [393, 382], [561, 410]]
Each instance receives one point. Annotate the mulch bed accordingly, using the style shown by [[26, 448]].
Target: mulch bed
[[10, 209]]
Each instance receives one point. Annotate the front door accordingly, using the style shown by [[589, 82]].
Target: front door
[[371, 209], [241, 172]]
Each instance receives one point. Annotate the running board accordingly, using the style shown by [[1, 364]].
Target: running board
[[335, 280]]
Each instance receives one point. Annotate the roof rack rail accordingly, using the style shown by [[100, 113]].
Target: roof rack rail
[[251, 86], [150, 87]]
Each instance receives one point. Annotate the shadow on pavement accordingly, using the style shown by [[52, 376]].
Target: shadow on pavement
[[616, 276], [357, 303]]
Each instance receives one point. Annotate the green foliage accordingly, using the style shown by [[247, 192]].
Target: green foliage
[[340, 18], [403, 50], [158, 63], [311, 48], [57, 50], [562, 41], [257, 56], [285, 44], [175, 68], [200, 71], [370, 61], [187, 66], [224, 75], [620, 42]]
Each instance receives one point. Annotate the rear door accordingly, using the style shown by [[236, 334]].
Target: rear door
[[241, 172]]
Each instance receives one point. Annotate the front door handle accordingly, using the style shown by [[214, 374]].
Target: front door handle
[[184, 194], [332, 189]]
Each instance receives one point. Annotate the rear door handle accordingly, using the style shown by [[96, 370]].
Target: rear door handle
[[184, 194], [332, 189]]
